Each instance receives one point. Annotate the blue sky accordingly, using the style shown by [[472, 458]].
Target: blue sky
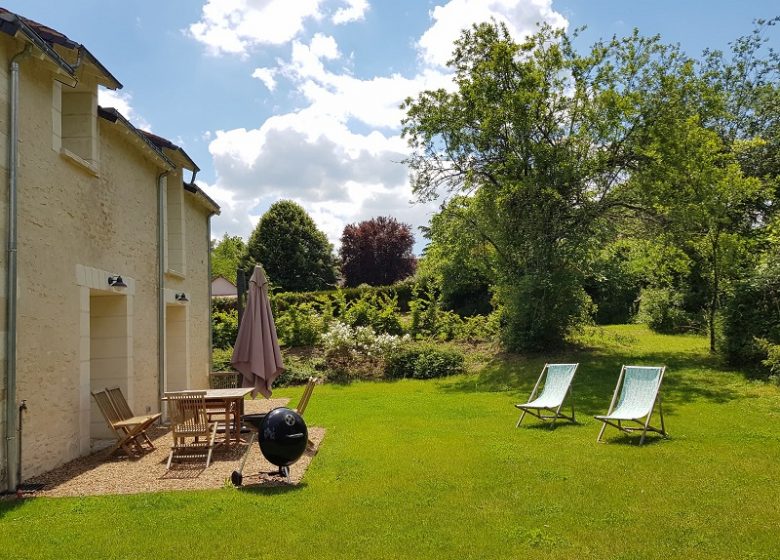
[[298, 98]]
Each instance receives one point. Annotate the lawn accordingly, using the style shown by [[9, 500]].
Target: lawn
[[436, 469]]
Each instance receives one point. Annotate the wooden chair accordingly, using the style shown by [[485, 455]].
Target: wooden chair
[[125, 413], [224, 380], [304, 402], [307, 391], [189, 420], [126, 430]]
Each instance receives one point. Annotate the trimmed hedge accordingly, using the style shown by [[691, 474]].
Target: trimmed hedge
[[402, 290]]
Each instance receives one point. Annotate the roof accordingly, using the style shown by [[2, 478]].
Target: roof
[[162, 143], [112, 115], [55, 45], [61, 50]]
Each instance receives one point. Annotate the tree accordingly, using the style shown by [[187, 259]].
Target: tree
[[457, 260], [226, 256], [545, 140], [377, 252], [294, 253]]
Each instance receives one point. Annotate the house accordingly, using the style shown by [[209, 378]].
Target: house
[[106, 274], [222, 287]]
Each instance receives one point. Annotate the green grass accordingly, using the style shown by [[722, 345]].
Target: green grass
[[436, 469]]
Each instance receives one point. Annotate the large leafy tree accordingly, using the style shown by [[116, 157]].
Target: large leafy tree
[[294, 253], [544, 140], [457, 260], [377, 252], [226, 257]]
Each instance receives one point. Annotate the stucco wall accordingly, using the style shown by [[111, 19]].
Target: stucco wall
[[5, 56], [77, 226], [69, 217]]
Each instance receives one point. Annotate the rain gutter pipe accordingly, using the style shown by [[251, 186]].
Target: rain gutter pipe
[[11, 447], [161, 284]]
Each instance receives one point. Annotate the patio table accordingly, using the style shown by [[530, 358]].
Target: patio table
[[219, 398], [224, 398]]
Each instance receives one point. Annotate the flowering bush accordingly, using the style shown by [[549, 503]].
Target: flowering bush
[[357, 352]]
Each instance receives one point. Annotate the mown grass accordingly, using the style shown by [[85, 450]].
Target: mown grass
[[436, 469]]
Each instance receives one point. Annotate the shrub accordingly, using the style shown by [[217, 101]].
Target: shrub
[[479, 328], [750, 315], [220, 359], [356, 353], [540, 309], [423, 362], [400, 290], [299, 325], [662, 310], [297, 370], [225, 328]]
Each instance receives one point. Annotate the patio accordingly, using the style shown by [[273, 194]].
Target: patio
[[100, 473]]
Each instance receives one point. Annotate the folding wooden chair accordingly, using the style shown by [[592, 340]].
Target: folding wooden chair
[[189, 419], [639, 390], [123, 409], [557, 384], [307, 391], [127, 431]]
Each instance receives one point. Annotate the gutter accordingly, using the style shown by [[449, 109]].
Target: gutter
[[12, 466], [161, 287]]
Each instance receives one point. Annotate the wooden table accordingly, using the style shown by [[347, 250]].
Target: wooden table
[[224, 398]]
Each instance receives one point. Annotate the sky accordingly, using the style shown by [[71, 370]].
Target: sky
[[299, 99]]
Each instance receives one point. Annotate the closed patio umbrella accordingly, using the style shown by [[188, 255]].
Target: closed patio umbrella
[[256, 353]]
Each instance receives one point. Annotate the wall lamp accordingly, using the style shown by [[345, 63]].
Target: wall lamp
[[116, 282], [181, 297]]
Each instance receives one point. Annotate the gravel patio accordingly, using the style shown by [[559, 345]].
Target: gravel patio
[[100, 473]]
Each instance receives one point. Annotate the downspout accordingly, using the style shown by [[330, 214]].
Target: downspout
[[211, 302], [161, 284], [11, 445]]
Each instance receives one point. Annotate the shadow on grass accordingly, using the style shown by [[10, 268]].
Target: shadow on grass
[[597, 376], [272, 489]]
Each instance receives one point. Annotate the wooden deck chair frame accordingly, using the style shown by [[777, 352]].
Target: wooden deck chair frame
[[642, 425], [307, 391], [555, 412], [127, 432], [189, 419], [117, 398]]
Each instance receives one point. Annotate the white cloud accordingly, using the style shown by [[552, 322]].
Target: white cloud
[[520, 16], [235, 26], [355, 11], [122, 103], [266, 75], [316, 155]]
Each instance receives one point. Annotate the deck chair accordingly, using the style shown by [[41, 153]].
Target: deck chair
[[126, 430], [123, 409], [189, 420], [557, 384], [639, 390], [307, 391]]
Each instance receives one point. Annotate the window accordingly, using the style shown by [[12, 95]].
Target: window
[[75, 124]]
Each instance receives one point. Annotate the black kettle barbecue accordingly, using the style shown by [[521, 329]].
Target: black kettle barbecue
[[282, 436]]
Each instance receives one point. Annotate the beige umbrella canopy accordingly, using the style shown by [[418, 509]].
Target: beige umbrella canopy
[[256, 353]]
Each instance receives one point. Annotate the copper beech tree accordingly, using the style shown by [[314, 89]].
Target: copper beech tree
[[377, 252]]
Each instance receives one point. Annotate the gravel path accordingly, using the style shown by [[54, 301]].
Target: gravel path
[[100, 474]]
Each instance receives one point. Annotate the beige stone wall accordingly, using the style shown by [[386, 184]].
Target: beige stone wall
[[69, 217], [78, 224], [195, 284], [5, 57]]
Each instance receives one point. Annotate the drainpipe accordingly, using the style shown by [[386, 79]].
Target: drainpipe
[[11, 447], [211, 302], [161, 284]]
